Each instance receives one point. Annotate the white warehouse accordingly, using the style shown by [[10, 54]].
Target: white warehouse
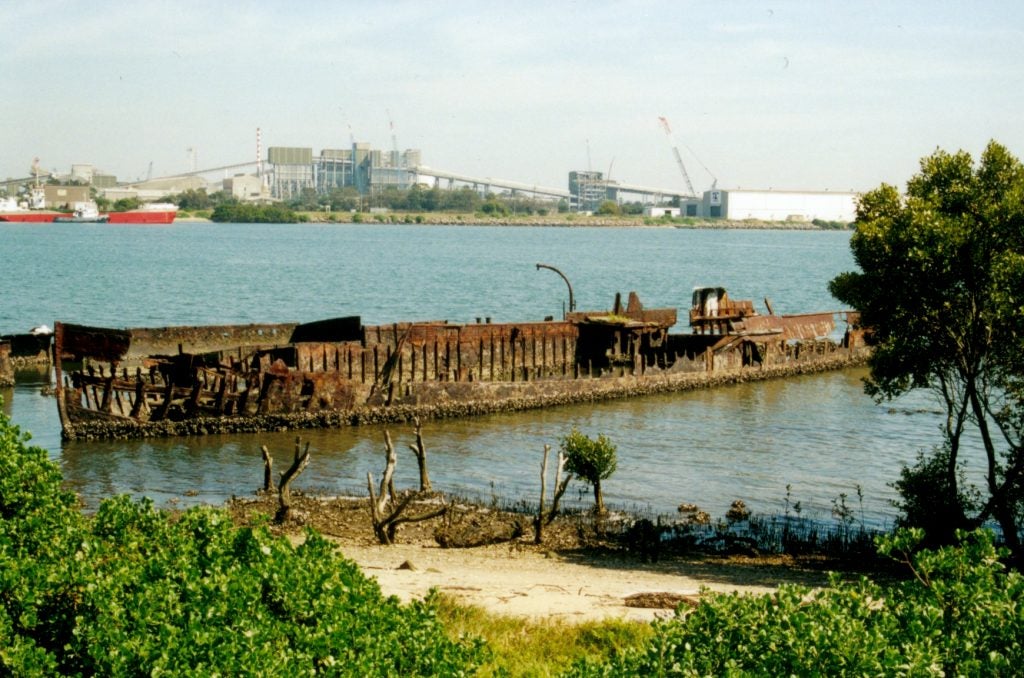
[[771, 205]]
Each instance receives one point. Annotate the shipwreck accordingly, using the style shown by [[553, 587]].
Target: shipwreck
[[121, 383]]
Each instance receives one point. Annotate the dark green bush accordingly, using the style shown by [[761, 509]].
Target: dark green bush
[[248, 213], [133, 592], [958, 614]]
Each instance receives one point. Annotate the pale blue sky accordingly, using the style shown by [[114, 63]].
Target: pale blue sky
[[793, 95]]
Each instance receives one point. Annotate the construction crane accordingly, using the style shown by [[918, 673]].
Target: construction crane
[[679, 159]]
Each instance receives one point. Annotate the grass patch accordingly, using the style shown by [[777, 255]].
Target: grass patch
[[542, 647]]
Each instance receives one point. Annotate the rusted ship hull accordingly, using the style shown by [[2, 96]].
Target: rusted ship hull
[[195, 380]]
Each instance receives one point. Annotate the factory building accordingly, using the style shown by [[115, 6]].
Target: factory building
[[246, 188], [366, 169], [291, 171], [772, 205]]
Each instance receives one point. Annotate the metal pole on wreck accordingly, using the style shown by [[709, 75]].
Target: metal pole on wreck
[[572, 302]]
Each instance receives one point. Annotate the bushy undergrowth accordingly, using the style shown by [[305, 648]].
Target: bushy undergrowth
[[959, 614], [132, 592]]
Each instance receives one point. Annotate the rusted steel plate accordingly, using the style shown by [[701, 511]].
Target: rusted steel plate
[[804, 326], [78, 341]]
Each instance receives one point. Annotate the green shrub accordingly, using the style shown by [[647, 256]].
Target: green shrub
[[591, 459], [248, 213], [133, 592], [958, 614]]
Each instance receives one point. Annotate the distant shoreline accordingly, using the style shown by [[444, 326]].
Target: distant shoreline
[[551, 221]]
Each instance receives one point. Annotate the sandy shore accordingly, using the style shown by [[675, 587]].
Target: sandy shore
[[528, 583]]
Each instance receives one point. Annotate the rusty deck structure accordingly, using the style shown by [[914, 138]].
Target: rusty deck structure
[[121, 383]]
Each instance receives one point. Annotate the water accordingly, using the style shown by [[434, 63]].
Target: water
[[820, 435]]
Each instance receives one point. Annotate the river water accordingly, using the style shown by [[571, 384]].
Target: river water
[[820, 436]]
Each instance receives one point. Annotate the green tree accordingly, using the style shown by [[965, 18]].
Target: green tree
[[343, 199], [609, 208], [941, 285], [591, 459], [463, 199], [495, 207], [308, 200], [125, 204]]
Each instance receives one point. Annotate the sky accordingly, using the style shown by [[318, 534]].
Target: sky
[[785, 95]]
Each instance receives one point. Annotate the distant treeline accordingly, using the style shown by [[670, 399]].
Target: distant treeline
[[463, 200], [247, 213]]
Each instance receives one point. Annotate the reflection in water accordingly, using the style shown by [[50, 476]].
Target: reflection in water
[[819, 434]]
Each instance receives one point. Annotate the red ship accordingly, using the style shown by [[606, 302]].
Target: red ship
[[153, 213], [30, 210]]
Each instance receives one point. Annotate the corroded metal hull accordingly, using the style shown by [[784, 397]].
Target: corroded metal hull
[[194, 380]]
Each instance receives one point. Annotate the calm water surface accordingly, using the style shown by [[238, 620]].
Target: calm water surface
[[820, 435]]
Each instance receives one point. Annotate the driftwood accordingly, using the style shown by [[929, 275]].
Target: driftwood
[[386, 507], [560, 486], [421, 457], [284, 494]]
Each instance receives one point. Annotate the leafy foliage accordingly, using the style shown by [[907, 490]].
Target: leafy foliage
[[942, 288], [132, 592], [247, 213], [591, 459], [957, 615]]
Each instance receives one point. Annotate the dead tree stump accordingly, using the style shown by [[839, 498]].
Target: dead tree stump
[[561, 484], [386, 508], [421, 457], [268, 470], [284, 494]]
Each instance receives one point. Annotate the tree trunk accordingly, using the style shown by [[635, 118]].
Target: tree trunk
[[598, 499], [538, 524], [421, 457], [268, 470], [284, 489]]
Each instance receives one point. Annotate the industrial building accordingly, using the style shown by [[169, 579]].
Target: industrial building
[[286, 172], [366, 169], [772, 205]]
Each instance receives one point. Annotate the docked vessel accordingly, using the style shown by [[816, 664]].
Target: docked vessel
[[152, 213], [30, 210], [86, 213], [139, 382]]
